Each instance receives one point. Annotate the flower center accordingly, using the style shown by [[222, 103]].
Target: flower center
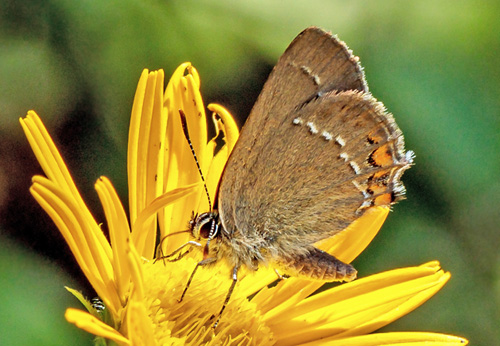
[[194, 317]]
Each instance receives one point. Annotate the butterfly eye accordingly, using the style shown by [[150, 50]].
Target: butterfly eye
[[203, 225], [205, 229]]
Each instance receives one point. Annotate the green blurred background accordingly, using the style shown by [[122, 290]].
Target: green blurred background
[[434, 64]]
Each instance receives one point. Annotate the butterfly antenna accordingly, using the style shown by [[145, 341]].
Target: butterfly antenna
[[186, 134]]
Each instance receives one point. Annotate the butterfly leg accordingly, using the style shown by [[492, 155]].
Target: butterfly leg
[[318, 265], [229, 293], [206, 261]]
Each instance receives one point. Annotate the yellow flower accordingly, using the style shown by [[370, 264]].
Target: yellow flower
[[141, 295]]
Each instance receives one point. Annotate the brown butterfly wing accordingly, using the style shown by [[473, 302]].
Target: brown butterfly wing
[[315, 62], [317, 151]]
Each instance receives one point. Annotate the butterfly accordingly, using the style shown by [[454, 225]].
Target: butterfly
[[315, 153]]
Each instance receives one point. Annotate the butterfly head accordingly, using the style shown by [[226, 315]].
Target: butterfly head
[[205, 226]]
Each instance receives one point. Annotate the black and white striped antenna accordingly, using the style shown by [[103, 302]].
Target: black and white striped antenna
[[188, 138]]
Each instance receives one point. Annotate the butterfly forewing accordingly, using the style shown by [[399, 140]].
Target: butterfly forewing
[[314, 63]]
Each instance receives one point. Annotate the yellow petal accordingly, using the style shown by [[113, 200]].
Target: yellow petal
[[140, 327], [93, 255], [47, 154], [139, 231], [119, 233], [145, 149], [52, 163], [196, 119], [396, 339], [182, 93], [82, 300], [358, 307], [229, 126], [93, 325], [349, 243], [134, 144], [135, 264]]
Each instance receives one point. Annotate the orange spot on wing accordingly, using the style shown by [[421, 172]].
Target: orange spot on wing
[[382, 156]]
